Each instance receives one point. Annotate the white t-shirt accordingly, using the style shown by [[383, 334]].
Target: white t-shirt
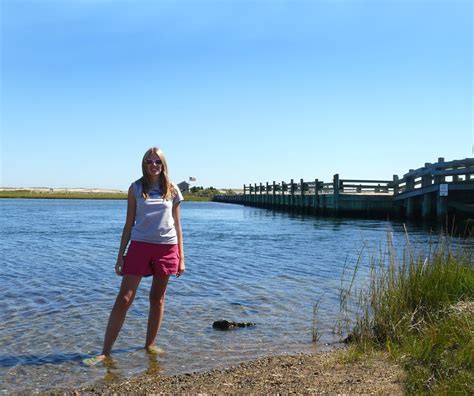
[[154, 221]]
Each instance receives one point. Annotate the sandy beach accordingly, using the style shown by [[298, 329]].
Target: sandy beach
[[321, 373]]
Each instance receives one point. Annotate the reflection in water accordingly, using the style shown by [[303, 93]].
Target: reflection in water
[[153, 365], [112, 373]]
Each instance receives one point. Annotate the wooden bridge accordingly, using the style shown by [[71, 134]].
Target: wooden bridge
[[433, 191]]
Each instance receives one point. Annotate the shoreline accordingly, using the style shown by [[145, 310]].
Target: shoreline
[[335, 371], [77, 194]]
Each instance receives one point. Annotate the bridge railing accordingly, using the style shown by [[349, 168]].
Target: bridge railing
[[459, 171], [349, 186], [357, 186]]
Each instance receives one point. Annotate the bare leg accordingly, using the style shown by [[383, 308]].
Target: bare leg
[[123, 301], [157, 307]]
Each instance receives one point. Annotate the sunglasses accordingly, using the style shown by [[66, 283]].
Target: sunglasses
[[153, 162]]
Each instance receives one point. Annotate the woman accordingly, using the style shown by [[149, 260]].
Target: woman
[[154, 228]]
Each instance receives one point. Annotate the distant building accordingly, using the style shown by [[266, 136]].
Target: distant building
[[184, 187]]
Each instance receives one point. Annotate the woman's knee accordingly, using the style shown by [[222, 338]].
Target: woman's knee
[[125, 299]]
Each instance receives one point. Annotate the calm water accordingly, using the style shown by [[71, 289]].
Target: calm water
[[57, 287]]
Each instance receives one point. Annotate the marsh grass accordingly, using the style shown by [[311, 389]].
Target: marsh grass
[[316, 332], [419, 308], [197, 198], [344, 323], [29, 194]]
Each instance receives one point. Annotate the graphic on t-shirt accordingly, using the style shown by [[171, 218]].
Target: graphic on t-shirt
[[155, 193]]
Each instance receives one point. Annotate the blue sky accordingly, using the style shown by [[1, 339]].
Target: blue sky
[[233, 92]]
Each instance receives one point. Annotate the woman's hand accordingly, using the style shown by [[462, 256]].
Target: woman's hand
[[181, 268], [119, 266]]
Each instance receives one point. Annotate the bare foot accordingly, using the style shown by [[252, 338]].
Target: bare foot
[[94, 360], [154, 350]]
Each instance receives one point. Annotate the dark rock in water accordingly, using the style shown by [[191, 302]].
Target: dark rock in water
[[227, 325], [349, 339]]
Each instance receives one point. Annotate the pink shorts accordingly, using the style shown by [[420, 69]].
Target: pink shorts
[[147, 259]]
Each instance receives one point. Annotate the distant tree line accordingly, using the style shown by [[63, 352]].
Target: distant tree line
[[200, 191]]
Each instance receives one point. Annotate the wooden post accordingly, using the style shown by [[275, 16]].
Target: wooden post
[[410, 183], [292, 201], [441, 201], [397, 207], [439, 179], [273, 193], [282, 200], [336, 193], [427, 180], [410, 202], [267, 196], [316, 194], [396, 188], [244, 190], [302, 203], [441, 206]]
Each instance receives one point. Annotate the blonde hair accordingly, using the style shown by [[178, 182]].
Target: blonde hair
[[166, 187]]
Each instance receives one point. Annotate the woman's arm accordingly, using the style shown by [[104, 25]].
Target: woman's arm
[[127, 229], [179, 233]]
